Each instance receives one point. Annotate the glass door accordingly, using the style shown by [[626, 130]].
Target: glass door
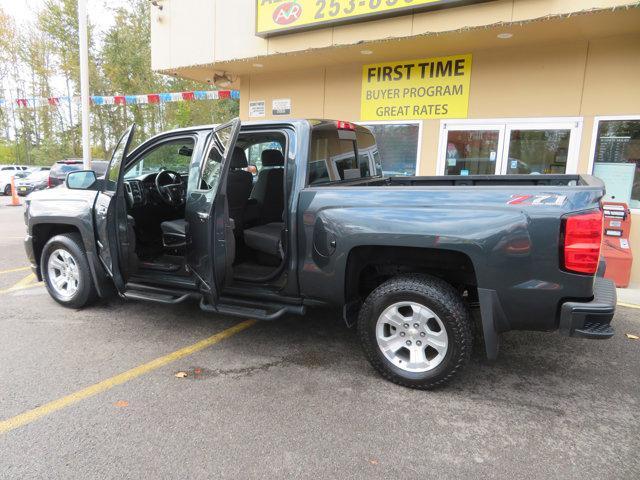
[[513, 147], [540, 148], [472, 149]]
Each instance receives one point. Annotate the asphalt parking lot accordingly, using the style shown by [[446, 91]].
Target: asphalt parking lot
[[291, 399]]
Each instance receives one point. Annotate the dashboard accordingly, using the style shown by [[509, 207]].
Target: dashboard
[[141, 191]]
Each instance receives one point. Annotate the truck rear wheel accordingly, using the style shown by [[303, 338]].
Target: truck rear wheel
[[416, 331], [65, 270]]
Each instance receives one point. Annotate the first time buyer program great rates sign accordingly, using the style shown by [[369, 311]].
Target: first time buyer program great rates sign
[[416, 89]]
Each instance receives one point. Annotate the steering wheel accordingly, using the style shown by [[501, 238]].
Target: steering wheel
[[170, 186]]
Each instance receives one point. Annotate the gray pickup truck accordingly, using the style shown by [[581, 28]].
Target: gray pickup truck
[[268, 218]]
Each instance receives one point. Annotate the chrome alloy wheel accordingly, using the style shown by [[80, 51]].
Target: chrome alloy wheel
[[412, 337], [64, 275]]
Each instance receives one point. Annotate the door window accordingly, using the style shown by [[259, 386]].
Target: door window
[[119, 153], [254, 152], [511, 147], [213, 160], [174, 155]]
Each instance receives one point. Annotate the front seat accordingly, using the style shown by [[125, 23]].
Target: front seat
[[269, 188], [174, 233], [239, 185]]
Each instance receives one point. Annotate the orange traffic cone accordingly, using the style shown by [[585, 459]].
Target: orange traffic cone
[[15, 200]]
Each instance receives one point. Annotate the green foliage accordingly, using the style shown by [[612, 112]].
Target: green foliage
[[119, 64]]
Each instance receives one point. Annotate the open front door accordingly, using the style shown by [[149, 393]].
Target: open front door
[[111, 217], [210, 246]]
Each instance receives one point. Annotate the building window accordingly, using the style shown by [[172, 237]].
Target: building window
[[509, 147], [616, 158], [399, 146]]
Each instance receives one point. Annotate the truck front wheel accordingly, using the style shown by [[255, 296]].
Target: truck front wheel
[[65, 270], [416, 331]]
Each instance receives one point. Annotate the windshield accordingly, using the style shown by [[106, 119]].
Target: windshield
[[35, 176], [174, 155], [68, 167]]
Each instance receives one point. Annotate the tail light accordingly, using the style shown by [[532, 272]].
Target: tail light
[[49, 183], [580, 241]]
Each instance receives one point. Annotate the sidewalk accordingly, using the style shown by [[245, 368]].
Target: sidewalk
[[629, 296]]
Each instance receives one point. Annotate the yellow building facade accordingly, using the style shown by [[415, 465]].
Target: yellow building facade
[[540, 86]]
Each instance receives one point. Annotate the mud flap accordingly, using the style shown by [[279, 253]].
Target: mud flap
[[491, 314]]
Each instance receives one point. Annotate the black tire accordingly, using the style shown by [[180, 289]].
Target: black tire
[[72, 243], [7, 190], [444, 301]]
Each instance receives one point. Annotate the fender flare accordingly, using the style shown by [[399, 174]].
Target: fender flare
[[101, 280]]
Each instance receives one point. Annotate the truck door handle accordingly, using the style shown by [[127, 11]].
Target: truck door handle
[[203, 216], [102, 210]]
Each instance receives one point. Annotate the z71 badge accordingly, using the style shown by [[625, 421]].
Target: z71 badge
[[550, 199]]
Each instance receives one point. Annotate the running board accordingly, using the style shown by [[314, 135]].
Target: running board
[[227, 306], [149, 293], [253, 312], [156, 297]]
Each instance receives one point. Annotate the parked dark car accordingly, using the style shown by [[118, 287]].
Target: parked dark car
[[406, 259], [60, 169], [34, 181]]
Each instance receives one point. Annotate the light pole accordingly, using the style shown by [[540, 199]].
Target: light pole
[[84, 83]]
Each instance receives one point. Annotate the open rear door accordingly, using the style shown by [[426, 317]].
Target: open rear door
[[210, 246], [111, 216]]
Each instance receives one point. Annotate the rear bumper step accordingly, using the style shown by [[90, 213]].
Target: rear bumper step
[[591, 319], [594, 330]]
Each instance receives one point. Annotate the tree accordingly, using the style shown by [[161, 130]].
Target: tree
[[120, 63]]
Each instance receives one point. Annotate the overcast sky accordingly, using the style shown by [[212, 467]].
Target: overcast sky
[[25, 10]]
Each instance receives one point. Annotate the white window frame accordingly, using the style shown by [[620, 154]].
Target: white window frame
[[402, 122], [594, 141], [505, 126]]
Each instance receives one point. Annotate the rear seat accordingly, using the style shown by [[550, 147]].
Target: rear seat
[[265, 238]]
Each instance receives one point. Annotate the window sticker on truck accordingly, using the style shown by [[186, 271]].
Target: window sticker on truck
[[551, 199]]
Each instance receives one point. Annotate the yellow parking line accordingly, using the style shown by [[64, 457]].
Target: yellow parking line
[[32, 415], [629, 305], [29, 281], [12, 270]]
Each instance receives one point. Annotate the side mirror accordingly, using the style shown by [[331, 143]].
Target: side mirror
[[80, 179]]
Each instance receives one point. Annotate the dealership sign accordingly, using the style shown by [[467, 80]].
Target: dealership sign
[[282, 16], [416, 89]]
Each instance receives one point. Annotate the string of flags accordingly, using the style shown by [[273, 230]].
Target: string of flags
[[150, 98]]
